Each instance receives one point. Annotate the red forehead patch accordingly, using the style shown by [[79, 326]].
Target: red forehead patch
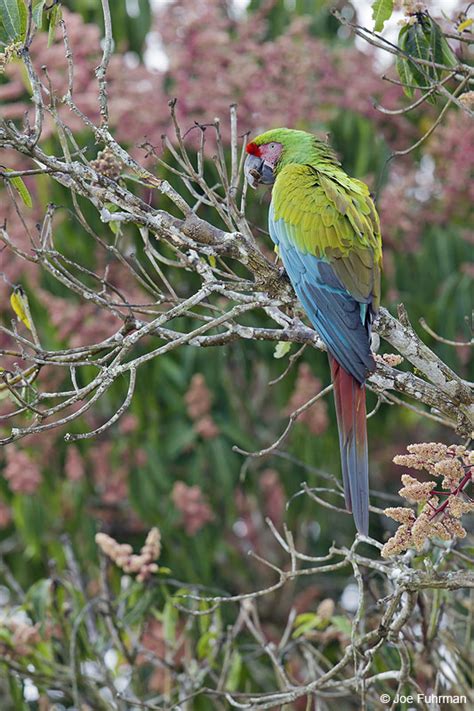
[[253, 149]]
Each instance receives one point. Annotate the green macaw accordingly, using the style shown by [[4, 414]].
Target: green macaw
[[327, 233]]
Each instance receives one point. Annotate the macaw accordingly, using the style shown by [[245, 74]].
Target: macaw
[[327, 233]]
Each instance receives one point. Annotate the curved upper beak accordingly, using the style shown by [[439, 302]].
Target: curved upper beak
[[257, 171]]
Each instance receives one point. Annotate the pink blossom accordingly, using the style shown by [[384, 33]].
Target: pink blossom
[[128, 423], [21, 472], [195, 510], [74, 464], [306, 387], [274, 498]]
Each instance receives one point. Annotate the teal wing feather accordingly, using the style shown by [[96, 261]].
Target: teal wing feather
[[326, 230]]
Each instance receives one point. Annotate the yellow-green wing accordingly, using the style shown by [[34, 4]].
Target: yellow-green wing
[[327, 233], [333, 217]]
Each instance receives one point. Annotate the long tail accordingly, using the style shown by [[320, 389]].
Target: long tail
[[349, 397]]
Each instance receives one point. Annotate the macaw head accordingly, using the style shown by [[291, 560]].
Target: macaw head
[[274, 149]]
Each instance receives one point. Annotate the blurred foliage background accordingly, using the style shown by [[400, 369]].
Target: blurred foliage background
[[169, 461]]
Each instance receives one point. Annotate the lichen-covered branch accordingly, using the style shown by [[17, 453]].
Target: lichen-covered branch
[[193, 239]]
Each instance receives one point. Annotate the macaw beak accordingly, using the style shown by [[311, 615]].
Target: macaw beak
[[257, 171]]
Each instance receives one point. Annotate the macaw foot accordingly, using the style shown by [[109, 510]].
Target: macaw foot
[[276, 284]]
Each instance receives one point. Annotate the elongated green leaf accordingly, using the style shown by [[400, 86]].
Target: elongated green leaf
[[16, 692], [22, 190], [405, 75], [54, 17], [418, 44], [140, 607], [442, 52], [433, 38], [23, 19], [306, 622], [39, 597], [11, 17], [235, 670], [402, 37], [170, 621], [403, 66], [38, 8], [418, 47], [204, 620], [381, 12], [206, 644]]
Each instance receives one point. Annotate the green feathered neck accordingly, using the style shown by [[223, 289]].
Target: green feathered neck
[[298, 147]]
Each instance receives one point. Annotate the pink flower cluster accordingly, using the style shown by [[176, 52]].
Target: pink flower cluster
[[74, 466], [143, 564], [198, 404], [273, 496], [441, 510], [306, 387], [110, 473], [194, 509], [21, 472]]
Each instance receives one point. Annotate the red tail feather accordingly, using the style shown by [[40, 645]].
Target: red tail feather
[[349, 397]]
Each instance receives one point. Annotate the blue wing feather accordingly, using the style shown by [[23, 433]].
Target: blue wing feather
[[342, 321]]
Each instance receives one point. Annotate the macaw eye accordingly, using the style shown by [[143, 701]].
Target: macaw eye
[[272, 145]]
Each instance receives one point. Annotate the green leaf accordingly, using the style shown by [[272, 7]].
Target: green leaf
[[140, 606], [402, 38], [5, 635], [38, 8], [442, 52], [308, 621], [204, 620], [303, 618], [23, 19], [206, 644], [180, 438], [405, 75], [281, 349], [235, 669], [418, 47], [342, 624], [31, 520], [39, 597], [403, 65], [170, 620], [115, 227], [15, 687], [381, 12], [54, 17], [20, 187], [10, 14], [433, 38]]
